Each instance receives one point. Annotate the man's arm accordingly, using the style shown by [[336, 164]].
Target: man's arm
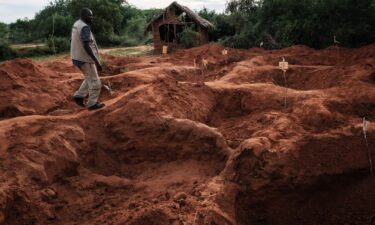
[[85, 36], [86, 46]]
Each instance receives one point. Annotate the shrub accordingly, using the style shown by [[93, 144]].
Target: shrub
[[188, 38], [149, 39], [6, 51], [110, 40], [117, 40], [131, 42], [58, 44], [38, 51]]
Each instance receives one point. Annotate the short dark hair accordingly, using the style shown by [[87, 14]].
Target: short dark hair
[[85, 12]]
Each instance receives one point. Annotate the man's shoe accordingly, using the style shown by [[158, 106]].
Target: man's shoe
[[98, 105], [79, 101]]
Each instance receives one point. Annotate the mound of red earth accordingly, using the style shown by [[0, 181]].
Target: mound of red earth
[[28, 88], [244, 147]]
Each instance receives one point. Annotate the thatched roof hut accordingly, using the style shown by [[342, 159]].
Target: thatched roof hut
[[173, 20]]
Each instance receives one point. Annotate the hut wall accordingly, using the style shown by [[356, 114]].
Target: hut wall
[[203, 36], [170, 18]]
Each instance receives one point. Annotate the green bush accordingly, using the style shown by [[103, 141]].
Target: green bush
[[58, 44], [4, 30], [117, 40], [188, 38], [109, 40], [38, 51], [6, 51], [131, 42], [149, 39]]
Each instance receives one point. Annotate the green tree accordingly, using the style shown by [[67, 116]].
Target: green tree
[[134, 23], [280, 23], [222, 22], [107, 14], [151, 14], [4, 31], [54, 19], [128, 13], [21, 31], [243, 15], [6, 51]]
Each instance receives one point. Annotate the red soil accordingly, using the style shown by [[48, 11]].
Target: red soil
[[166, 150]]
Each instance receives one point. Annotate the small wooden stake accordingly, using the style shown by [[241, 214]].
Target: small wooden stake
[[365, 129], [284, 66], [225, 54]]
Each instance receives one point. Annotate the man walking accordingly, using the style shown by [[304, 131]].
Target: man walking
[[85, 55]]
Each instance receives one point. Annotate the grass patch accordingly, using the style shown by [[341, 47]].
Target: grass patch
[[44, 58], [27, 46], [130, 51]]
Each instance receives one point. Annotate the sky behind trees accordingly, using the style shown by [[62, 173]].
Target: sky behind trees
[[11, 10]]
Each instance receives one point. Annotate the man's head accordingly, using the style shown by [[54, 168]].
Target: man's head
[[86, 15]]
